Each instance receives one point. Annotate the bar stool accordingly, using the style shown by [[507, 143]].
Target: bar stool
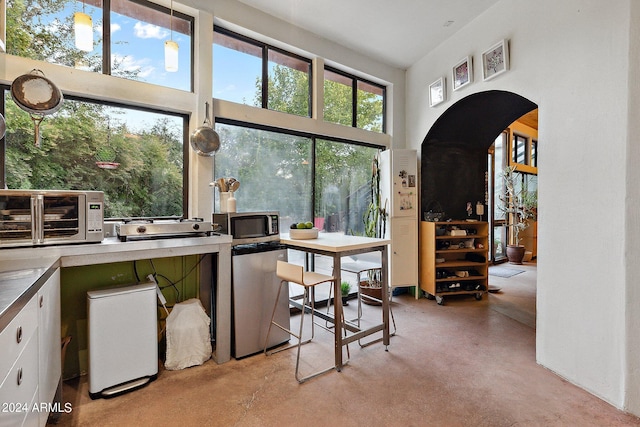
[[308, 279], [358, 268]]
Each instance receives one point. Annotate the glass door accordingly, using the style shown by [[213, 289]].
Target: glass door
[[16, 225], [497, 161], [62, 217]]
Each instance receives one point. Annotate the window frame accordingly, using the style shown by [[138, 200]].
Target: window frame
[[106, 51], [265, 48], [106, 36], [354, 95], [185, 140]]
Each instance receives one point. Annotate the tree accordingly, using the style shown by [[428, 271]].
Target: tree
[[273, 167], [148, 181]]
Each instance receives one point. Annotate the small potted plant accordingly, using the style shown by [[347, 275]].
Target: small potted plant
[[519, 205], [345, 288]]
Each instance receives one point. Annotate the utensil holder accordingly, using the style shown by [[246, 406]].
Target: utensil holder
[[231, 203], [224, 199]]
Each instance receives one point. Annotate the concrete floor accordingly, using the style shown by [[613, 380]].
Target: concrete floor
[[466, 363]]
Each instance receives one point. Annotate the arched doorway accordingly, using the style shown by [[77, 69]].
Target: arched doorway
[[454, 168]]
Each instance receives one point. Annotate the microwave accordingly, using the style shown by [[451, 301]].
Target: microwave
[[249, 227], [50, 217]]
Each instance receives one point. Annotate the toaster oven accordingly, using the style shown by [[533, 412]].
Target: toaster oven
[[48, 217]]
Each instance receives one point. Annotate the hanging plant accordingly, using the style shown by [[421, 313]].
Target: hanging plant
[[375, 220], [106, 157]]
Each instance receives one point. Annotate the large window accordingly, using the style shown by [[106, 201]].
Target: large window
[[249, 72], [130, 35], [304, 177], [351, 101], [136, 157]]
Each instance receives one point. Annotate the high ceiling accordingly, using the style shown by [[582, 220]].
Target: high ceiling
[[396, 32]]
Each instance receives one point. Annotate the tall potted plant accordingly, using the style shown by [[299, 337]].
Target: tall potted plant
[[375, 225], [519, 205]]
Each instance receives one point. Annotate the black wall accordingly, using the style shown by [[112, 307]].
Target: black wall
[[454, 152]]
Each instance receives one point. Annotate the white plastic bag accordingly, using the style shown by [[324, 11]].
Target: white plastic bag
[[188, 337]]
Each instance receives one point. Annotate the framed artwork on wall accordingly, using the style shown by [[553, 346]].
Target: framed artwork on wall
[[462, 73], [495, 60], [437, 92]]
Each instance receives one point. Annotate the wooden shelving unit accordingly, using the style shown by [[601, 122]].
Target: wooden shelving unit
[[453, 259]]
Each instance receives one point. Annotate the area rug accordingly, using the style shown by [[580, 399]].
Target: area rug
[[504, 272]]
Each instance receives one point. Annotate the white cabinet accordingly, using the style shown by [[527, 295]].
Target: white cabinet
[[30, 368], [49, 355], [404, 252], [399, 188], [19, 365]]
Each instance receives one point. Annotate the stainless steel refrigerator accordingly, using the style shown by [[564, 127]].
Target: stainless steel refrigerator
[[254, 290]]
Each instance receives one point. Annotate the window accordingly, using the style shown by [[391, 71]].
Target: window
[[338, 98], [249, 72], [136, 157], [519, 149], [342, 185], [351, 101], [134, 42], [534, 153], [237, 69], [304, 177], [273, 168]]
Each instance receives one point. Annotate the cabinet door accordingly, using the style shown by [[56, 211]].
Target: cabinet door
[[404, 252], [20, 384], [49, 340]]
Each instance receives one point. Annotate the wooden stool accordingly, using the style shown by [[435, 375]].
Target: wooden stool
[[308, 279]]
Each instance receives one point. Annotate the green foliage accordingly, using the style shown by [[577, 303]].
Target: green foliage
[[345, 287], [375, 217], [338, 103], [31, 36], [518, 203], [289, 91], [148, 181]]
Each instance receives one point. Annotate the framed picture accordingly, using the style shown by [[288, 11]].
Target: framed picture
[[462, 73], [437, 92], [495, 61]]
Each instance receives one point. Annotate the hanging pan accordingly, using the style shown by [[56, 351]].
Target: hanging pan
[[36, 95], [204, 140], [3, 126]]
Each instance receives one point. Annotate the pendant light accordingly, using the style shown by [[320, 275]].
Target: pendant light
[[171, 48], [83, 28]]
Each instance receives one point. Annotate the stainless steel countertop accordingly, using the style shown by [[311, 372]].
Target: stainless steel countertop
[[22, 268], [17, 287]]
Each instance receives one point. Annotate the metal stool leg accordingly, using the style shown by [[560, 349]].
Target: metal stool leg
[[306, 302]]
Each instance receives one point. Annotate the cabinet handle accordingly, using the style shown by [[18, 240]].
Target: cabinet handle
[[41, 300], [19, 376], [19, 334]]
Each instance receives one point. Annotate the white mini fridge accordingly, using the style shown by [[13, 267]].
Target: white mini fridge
[[123, 338]]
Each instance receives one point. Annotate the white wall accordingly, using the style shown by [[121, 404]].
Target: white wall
[[632, 246], [572, 59]]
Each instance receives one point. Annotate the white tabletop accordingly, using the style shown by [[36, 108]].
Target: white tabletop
[[334, 242]]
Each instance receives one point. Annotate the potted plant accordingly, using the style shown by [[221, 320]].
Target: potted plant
[[375, 225], [519, 205], [345, 288]]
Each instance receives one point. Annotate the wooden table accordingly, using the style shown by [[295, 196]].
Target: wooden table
[[336, 246]]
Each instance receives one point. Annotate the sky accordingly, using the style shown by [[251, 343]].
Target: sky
[[139, 46]]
